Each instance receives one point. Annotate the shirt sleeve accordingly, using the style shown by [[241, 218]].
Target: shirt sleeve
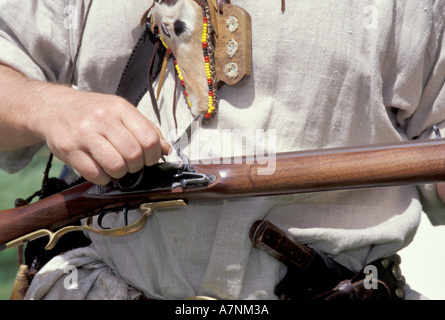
[[431, 110], [431, 106], [37, 39], [418, 117]]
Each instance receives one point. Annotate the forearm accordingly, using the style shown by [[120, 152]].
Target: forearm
[[99, 135], [21, 104]]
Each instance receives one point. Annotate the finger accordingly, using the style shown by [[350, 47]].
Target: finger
[[106, 155], [87, 167], [165, 146], [151, 147], [127, 146], [151, 141]]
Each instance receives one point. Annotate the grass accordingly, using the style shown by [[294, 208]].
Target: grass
[[20, 185]]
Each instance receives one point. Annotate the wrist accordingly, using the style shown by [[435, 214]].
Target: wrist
[[18, 110], [46, 101]]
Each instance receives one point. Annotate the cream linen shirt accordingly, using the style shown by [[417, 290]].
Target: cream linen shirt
[[325, 74]]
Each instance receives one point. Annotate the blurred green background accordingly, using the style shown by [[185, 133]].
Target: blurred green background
[[20, 185]]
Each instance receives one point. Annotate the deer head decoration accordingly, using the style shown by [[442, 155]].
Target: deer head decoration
[[185, 28]]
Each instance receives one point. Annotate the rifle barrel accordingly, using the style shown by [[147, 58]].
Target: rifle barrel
[[338, 169], [404, 163]]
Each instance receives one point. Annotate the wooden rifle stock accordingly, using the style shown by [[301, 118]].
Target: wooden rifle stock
[[298, 172]]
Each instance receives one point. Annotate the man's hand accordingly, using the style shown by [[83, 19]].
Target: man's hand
[[101, 136]]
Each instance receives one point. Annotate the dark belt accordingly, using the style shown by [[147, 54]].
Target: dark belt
[[314, 276]]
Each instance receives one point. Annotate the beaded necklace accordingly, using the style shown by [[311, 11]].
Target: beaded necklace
[[209, 66]]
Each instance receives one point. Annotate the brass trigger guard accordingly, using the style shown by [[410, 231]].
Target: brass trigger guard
[[54, 237]]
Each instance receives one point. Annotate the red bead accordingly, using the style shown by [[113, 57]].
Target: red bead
[[175, 62], [170, 51], [211, 93], [209, 81], [207, 116], [207, 59], [186, 93], [182, 83], [204, 44], [204, 19]]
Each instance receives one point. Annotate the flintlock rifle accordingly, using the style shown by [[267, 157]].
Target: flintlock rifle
[[167, 184]]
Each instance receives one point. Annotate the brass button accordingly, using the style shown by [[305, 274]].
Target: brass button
[[400, 293], [385, 263], [397, 272]]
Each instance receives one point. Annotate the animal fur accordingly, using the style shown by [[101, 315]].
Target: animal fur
[[180, 24]]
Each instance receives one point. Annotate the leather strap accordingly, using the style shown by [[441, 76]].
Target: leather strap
[[310, 272], [143, 66], [314, 276]]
